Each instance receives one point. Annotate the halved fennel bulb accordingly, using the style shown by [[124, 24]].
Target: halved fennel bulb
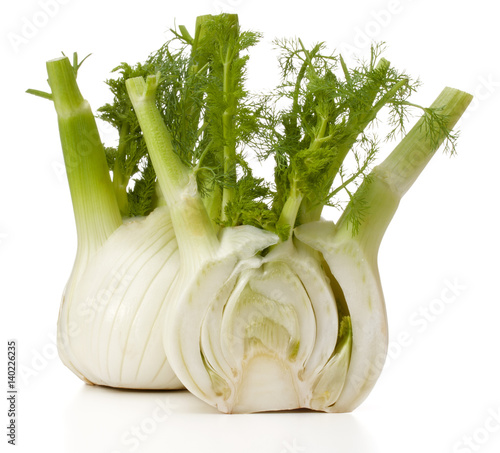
[[269, 333]]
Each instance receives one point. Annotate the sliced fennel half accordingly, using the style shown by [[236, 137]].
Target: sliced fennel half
[[302, 325]]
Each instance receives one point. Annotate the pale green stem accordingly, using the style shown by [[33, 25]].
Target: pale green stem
[[95, 206], [290, 209], [172, 173], [320, 136], [395, 175], [311, 213], [212, 203], [199, 66], [120, 186], [228, 121], [229, 144], [193, 228], [120, 181]]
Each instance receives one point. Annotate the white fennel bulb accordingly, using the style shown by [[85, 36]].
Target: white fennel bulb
[[192, 271], [111, 318], [298, 326], [112, 311]]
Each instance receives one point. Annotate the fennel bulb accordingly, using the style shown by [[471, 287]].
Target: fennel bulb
[[112, 312], [303, 325], [112, 309], [235, 284]]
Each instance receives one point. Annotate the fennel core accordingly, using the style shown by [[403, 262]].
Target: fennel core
[[252, 301]]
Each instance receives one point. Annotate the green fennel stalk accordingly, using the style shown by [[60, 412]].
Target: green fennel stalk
[[94, 204]]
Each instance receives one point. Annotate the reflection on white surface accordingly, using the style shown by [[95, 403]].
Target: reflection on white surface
[[104, 420]]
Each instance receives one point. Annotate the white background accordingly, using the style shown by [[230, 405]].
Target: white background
[[440, 389]]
